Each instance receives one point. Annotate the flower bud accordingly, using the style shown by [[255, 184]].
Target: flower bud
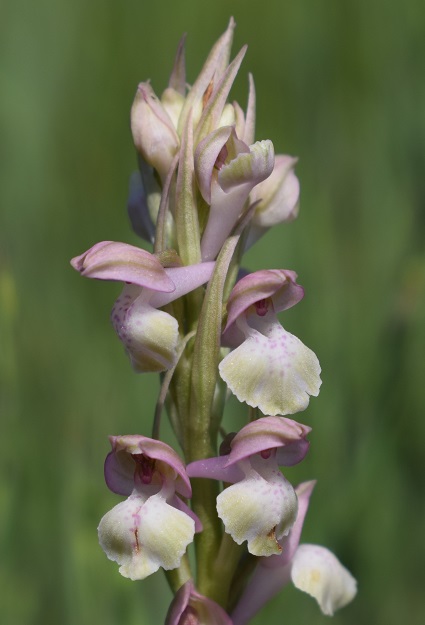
[[153, 132], [277, 195], [173, 101]]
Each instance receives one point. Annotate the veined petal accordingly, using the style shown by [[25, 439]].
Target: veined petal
[[149, 336], [144, 535], [272, 370], [260, 509], [109, 260], [318, 572]]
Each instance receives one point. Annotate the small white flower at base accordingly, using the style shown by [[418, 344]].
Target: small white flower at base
[[272, 370], [316, 571], [143, 534], [260, 508]]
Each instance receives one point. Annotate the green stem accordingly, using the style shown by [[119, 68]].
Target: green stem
[[178, 577]]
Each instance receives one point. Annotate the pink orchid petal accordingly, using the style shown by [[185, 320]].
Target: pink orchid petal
[[179, 604], [278, 284], [249, 130], [270, 433], [224, 212], [206, 155], [153, 131], [118, 469], [216, 62], [189, 606], [121, 262], [261, 588], [176, 502], [214, 108], [178, 75], [215, 469], [239, 120], [185, 279], [278, 195]]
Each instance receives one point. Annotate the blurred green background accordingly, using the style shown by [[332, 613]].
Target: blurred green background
[[340, 84]]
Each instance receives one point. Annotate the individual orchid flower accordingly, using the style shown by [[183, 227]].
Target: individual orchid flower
[[153, 131], [312, 569], [150, 336], [189, 607], [270, 368], [276, 198], [261, 505], [227, 170], [153, 527]]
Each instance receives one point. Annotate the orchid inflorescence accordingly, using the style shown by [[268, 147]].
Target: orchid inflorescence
[[203, 194]]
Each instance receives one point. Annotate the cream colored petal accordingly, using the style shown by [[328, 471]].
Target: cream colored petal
[[316, 571], [142, 536], [259, 510], [277, 372], [149, 335]]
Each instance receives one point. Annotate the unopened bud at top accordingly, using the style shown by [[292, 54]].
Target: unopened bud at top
[[153, 132]]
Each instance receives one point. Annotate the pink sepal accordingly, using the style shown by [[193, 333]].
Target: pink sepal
[[190, 603], [286, 435], [109, 260], [278, 284], [120, 466]]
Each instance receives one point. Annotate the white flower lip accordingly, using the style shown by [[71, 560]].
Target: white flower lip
[[272, 370], [318, 572], [143, 534]]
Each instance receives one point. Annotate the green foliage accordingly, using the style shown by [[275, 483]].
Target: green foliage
[[340, 84]]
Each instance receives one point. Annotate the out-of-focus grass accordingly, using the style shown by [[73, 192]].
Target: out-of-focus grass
[[339, 84]]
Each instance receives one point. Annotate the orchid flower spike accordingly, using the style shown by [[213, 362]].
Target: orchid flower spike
[[189, 607], [270, 368], [150, 336], [153, 527], [312, 569], [261, 505]]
